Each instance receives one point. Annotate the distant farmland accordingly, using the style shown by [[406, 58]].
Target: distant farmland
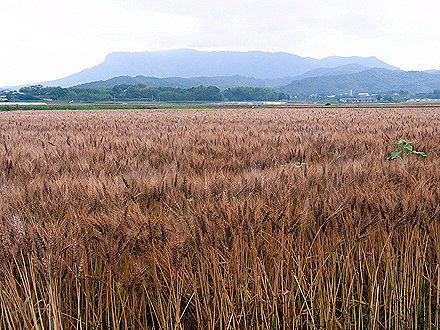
[[265, 218]]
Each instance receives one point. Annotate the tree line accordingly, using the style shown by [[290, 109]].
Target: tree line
[[142, 92]]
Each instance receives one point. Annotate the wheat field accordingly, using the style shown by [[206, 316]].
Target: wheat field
[[264, 218]]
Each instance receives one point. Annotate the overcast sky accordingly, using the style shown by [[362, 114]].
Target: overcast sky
[[49, 39]]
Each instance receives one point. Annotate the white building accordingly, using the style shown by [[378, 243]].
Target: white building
[[358, 100]]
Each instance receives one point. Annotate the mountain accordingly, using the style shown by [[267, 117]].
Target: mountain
[[187, 63], [374, 80]]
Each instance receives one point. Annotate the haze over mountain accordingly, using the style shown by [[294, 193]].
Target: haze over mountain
[[187, 63]]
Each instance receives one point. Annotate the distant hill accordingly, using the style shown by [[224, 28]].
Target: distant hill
[[187, 63], [342, 69], [222, 82], [149, 81], [372, 80], [327, 81]]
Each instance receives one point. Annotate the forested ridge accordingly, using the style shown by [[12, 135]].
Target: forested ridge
[[125, 92]]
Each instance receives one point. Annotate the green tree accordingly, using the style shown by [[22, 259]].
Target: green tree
[[251, 94]]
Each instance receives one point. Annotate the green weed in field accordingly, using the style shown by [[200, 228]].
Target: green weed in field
[[406, 148]]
